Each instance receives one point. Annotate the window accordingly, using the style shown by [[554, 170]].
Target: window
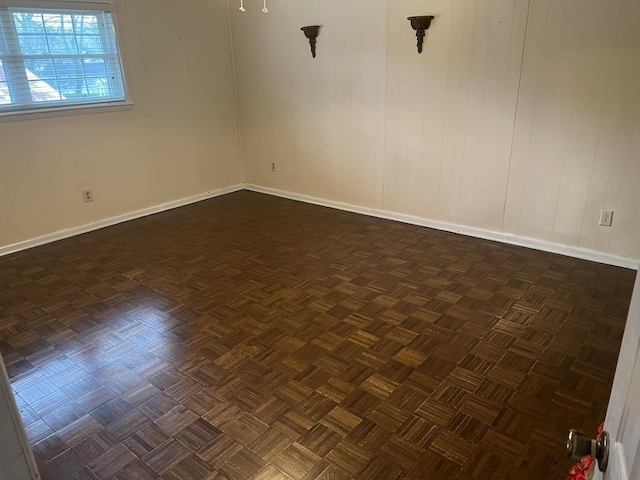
[[56, 58]]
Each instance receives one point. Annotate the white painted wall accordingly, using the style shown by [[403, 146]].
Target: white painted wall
[[180, 139], [320, 120], [576, 146], [519, 119]]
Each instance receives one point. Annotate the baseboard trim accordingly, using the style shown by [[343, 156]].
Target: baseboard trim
[[576, 252], [568, 250], [107, 222]]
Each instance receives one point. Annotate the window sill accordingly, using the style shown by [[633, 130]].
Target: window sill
[[65, 111]]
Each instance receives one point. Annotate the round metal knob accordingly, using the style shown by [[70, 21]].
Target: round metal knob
[[579, 445]]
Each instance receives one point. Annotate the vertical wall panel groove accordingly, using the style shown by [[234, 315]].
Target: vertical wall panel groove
[[525, 135], [577, 113]]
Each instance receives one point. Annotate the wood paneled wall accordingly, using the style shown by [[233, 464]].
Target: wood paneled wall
[[519, 117], [576, 145], [320, 120], [450, 111]]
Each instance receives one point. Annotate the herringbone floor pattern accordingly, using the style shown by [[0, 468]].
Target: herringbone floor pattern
[[251, 337]]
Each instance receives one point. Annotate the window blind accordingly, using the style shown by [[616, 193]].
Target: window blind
[[57, 57], [106, 5]]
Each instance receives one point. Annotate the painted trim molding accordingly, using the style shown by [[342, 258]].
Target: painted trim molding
[[107, 222], [582, 253], [510, 239], [16, 458], [619, 470]]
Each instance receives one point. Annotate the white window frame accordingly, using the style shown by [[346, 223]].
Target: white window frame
[[46, 111]]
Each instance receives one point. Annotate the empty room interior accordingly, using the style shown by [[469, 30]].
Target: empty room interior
[[235, 248]]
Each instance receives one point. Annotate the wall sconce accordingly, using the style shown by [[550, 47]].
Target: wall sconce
[[420, 24], [311, 32]]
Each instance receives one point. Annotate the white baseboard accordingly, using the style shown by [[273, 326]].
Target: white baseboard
[[107, 222], [570, 251], [567, 250]]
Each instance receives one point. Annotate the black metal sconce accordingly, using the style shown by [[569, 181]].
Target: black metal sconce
[[311, 32], [420, 24]]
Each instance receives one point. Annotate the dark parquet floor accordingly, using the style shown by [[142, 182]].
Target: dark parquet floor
[[252, 337]]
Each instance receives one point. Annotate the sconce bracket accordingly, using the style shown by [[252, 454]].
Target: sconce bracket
[[420, 24], [311, 32]]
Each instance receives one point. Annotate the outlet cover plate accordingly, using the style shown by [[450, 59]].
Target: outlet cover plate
[[606, 218]]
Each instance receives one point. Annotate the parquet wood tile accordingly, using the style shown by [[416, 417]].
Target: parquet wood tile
[[252, 337]]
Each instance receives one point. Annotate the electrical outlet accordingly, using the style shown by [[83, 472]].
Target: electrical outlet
[[273, 167], [87, 195], [606, 218]]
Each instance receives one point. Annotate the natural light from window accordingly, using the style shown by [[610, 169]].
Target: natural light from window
[[58, 58]]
